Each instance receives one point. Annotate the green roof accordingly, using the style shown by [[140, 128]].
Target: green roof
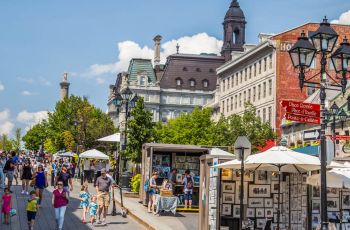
[[141, 65]]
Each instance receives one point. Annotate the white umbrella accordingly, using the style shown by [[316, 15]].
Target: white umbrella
[[66, 154], [94, 154], [111, 138], [278, 158], [217, 151]]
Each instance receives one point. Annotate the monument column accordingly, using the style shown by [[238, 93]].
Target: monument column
[[64, 87]]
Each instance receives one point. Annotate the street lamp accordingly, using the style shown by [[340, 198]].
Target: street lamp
[[302, 54]]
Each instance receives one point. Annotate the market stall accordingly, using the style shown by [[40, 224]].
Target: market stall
[[165, 157], [94, 161]]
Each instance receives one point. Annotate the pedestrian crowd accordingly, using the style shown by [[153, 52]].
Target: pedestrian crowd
[[34, 170]]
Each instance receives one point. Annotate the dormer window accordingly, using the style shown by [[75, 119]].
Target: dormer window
[[211, 70], [178, 82], [184, 69], [142, 80], [198, 69], [205, 83], [192, 83]]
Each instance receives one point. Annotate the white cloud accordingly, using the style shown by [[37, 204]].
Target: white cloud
[[2, 87], [100, 81], [31, 118], [44, 81], [6, 126], [27, 80], [196, 44], [344, 19], [27, 93]]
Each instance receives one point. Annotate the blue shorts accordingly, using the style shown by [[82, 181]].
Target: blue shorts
[[188, 195], [31, 215], [152, 191]]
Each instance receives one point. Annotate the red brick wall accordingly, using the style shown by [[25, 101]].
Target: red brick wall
[[287, 82]]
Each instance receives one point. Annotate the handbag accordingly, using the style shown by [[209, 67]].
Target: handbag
[[13, 212]]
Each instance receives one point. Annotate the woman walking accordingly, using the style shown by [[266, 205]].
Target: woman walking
[[59, 202], [26, 176], [40, 182], [153, 190]]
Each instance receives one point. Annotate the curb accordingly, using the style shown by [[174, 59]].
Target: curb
[[136, 218]]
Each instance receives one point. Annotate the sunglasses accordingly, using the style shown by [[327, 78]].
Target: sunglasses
[[59, 184]]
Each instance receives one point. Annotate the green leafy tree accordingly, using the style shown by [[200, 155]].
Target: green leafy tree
[[140, 131], [16, 142], [74, 121], [6, 143]]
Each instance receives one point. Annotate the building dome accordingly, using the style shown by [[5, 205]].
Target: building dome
[[234, 11]]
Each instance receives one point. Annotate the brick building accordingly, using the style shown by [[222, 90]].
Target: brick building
[[264, 75]]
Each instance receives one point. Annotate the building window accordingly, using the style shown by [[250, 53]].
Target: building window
[[240, 100], [142, 81], [228, 83], [270, 61], [211, 71], [147, 97], [231, 103], [192, 82], [313, 64], [192, 100], [236, 79], [258, 113], [259, 91], [270, 114], [254, 69], [330, 64], [250, 72], [223, 85], [205, 83], [264, 115], [260, 67], [233, 81], [184, 69], [223, 107], [241, 77], [249, 95], [178, 82], [244, 96], [236, 101], [198, 69], [245, 74], [270, 87], [265, 64], [264, 89], [227, 105], [254, 93]]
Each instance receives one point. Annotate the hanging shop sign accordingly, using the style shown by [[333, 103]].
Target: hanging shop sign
[[302, 112], [303, 119]]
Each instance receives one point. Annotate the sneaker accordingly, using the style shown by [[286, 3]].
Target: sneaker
[[27, 192], [104, 222], [98, 222], [22, 192]]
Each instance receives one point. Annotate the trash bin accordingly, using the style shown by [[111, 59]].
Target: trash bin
[[125, 179]]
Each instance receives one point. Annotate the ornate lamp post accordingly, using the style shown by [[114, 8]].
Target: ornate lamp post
[[302, 54]]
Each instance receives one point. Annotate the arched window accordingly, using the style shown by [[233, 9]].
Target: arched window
[[192, 82], [178, 82], [235, 36], [142, 80], [205, 83]]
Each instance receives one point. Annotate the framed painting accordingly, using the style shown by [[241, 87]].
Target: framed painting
[[259, 190], [228, 187]]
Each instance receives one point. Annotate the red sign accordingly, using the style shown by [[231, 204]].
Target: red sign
[[303, 119], [340, 137], [304, 112], [300, 105]]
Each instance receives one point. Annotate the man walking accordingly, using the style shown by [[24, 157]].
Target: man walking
[[103, 185], [2, 166]]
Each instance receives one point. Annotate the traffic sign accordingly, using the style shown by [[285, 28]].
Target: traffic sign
[[311, 135], [303, 119], [303, 111], [300, 105], [242, 143]]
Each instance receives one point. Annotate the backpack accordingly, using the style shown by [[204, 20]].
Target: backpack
[[189, 184], [146, 186], [7, 165]]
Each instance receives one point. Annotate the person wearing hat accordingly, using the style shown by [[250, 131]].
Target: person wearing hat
[[103, 185]]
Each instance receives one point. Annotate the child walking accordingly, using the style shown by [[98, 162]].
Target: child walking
[[84, 203], [32, 209], [93, 209], [6, 205]]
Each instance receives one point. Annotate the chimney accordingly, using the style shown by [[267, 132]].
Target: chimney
[[157, 40]]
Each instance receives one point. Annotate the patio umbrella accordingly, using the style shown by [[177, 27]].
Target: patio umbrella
[[111, 138], [278, 158], [336, 178], [94, 154]]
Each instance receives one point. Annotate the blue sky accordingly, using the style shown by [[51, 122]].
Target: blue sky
[[42, 39]]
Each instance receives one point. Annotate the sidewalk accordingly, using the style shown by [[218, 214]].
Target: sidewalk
[[167, 221]]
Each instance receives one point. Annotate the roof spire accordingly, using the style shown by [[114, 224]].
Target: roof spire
[[177, 48]]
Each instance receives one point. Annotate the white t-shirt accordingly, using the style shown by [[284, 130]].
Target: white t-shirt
[[86, 165]]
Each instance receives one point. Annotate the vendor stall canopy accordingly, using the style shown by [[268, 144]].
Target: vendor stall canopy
[[111, 138], [94, 154]]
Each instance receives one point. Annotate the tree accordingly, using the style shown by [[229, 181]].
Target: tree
[[74, 121], [16, 143], [139, 131], [6, 143]]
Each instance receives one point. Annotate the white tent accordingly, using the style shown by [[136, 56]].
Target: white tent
[[111, 138], [278, 158], [94, 154], [66, 154], [217, 151], [336, 178]]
